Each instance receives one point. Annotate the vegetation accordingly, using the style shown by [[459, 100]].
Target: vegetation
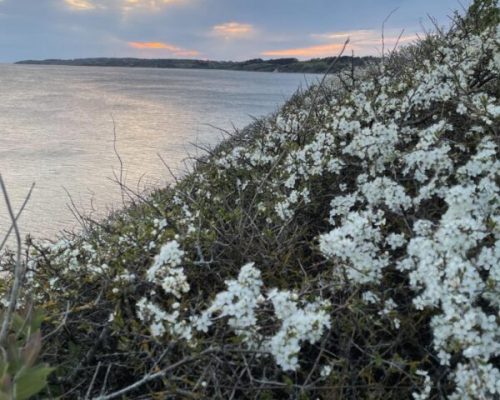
[[20, 376], [346, 247], [317, 65]]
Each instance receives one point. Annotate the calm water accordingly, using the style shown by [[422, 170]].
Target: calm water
[[56, 129]]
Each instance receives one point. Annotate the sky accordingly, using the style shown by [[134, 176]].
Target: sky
[[212, 29]]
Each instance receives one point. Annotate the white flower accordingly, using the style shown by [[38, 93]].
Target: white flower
[[166, 270], [326, 370]]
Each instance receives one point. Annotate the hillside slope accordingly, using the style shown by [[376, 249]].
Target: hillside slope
[[346, 247]]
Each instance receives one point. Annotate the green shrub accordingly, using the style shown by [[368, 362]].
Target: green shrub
[[344, 247]]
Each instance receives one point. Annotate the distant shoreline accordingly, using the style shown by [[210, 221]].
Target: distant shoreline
[[317, 65]]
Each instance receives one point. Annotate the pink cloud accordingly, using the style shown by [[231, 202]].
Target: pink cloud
[[325, 50], [170, 48], [362, 42]]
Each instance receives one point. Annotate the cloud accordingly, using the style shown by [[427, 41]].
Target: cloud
[[233, 30], [325, 50], [120, 5], [128, 5], [362, 42], [366, 37], [80, 5], [169, 48], [359, 34]]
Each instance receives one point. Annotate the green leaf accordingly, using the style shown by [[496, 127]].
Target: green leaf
[[4, 366], [289, 383], [37, 318], [32, 348], [5, 384], [18, 323], [5, 396], [13, 354], [30, 381]]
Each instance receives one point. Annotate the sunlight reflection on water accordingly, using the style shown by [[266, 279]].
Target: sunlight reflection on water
[[56, 129]]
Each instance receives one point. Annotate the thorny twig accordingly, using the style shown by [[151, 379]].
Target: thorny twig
[[149, 377]]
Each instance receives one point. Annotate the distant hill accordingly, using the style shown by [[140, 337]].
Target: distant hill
[[316, 65]]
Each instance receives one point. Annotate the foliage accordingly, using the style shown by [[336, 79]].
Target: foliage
[[482, 14], [346, 247], [20, 375]]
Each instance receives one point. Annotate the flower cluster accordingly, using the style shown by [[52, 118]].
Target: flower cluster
[[371, 206], [390, 154], [299, 321], [166, 270]]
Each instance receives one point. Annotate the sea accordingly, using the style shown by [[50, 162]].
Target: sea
[[72, 130]]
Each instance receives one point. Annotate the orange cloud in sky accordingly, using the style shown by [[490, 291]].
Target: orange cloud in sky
[[80, 4], [323, 50], [178, 51], [366, 37], [151, 45], [362, 42], [233, 29]]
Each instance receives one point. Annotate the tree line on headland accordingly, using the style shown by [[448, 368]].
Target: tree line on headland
[[315, 65]]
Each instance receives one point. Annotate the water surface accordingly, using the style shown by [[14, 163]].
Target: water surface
[[56, 129]]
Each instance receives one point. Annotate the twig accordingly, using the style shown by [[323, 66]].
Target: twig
[[149, 377], [119, 159], [18, 271], [89, 390], [61, 324], [398, 40], [17, 216], [176, 180], [322, 82], [74, 210], [103, 388], [383, 33]]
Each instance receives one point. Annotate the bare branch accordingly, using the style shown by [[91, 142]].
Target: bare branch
[[17, 216], [119, 159], [383, 31], [18, 271], [322, 82], [149, 377]]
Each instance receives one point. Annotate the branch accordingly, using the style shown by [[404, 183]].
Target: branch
[[149, 377], [17, 216], [320, 86], [18, 271], [119, 158], [383, 33]]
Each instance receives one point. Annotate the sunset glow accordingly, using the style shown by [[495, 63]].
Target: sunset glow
[[233, 29], [120, 5], [177, 51], [325, 50], [80, 4], [362, 42]]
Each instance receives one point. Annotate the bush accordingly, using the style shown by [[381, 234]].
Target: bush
[[346, 247]]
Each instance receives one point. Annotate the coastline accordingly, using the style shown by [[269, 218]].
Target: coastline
[[288, 65]]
